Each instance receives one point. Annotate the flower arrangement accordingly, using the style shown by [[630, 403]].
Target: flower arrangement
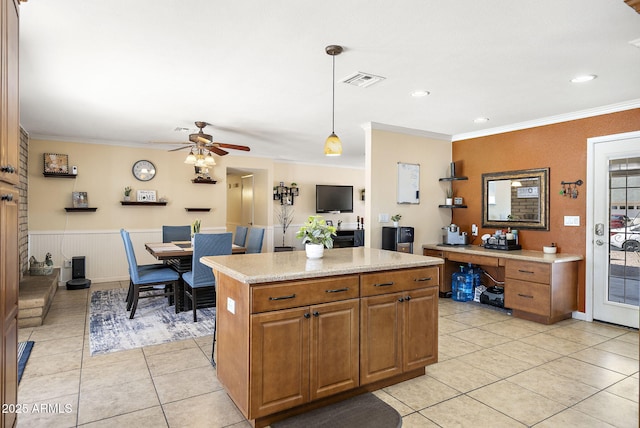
[[449, 193], [396, 217], [316, 231], [195, 227], [127, 191]]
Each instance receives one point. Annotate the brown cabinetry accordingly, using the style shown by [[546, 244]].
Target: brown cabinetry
[[9, 147], [542, 292]]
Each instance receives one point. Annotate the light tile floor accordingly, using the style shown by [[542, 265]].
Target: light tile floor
[[494, 371]]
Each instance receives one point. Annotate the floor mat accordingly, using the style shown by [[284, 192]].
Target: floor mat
[[24, 351]]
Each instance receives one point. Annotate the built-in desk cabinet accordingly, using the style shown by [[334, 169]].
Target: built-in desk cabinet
[[537, 287]]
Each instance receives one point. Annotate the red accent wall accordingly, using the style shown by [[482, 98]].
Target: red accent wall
[[562, 148]]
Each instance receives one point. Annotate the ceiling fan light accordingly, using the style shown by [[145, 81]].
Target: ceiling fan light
[[190, 159], [333, 145], [209, 159]]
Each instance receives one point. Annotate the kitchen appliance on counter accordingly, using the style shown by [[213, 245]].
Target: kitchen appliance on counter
[[451, 235]]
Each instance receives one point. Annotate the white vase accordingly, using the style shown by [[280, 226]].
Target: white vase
[[314, 251], [396, 223], [448, 201]]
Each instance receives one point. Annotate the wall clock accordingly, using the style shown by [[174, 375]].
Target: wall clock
[[144, 170]]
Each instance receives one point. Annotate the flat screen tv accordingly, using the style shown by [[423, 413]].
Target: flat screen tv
[[334, 198]]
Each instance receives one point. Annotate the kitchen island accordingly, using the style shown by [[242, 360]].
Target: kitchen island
[[295, 334]]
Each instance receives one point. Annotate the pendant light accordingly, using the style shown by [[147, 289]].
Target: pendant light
[[333, 145]]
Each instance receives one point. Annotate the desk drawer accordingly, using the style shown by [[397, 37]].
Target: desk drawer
[[527, 297], [373, 284], [266, 298], [529, 271], [473, 259]]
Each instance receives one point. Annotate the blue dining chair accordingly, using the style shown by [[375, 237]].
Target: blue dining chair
[[141, 267], [201, 278], [176, 233], [146, 280], [254, 242], [241, 236]]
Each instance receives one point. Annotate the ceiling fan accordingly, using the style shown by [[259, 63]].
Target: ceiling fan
[[202, 141]]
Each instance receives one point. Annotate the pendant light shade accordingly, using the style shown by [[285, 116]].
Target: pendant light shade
[[333, 145]]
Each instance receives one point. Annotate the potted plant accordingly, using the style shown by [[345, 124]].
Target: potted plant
[[195, 227], [316, 235], [396, 219], [449, 199], [127, 193]]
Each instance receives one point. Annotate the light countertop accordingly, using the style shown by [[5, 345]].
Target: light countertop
[[526, 255], [288, 265]]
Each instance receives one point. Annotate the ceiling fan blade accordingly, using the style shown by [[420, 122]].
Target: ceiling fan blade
[[169, 142], [203, 140], [179, 148], [233, 146], [217, 151]]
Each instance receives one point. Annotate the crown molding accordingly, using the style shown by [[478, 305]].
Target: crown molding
[[582, 114], [407, 131]]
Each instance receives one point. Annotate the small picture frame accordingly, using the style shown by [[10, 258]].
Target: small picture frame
[[329, 222], [458, 200], [146, 196], [79, 200], [56, 163]]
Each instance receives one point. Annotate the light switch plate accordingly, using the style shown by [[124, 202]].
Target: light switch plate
[[231, 305], [383, 218], [572, 220]]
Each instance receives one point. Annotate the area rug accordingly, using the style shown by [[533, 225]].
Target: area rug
[[364, 410], [24, 351], [155, 323]]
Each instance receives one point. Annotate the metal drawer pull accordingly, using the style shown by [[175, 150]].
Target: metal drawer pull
[[525, 296], [384, 284], [337, 290], [422, 279], [525, 271], [283, 297]]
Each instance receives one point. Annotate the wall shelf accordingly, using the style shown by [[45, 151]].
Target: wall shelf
[[203, 181], [453, 178], [198, 209], [85, 209], [51, 174], [452, 206], [158, 204]]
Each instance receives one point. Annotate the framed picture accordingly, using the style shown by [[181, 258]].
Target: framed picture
[[329, 222], [55, 163], [146, 196], [79, 199]]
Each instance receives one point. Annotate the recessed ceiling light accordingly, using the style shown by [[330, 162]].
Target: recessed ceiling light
[[585, 78], [420, 93], [481, 120]]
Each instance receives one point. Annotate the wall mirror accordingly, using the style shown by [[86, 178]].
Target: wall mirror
[[408, 183], [516, 199]]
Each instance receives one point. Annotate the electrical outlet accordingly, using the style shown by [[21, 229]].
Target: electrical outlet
[[67, 263], [474, 230]]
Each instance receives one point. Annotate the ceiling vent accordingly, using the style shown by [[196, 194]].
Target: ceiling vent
[[361, 79]]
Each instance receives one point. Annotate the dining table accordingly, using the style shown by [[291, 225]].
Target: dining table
[[178, 255]]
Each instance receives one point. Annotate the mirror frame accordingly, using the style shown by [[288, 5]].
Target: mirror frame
[[542, 174]]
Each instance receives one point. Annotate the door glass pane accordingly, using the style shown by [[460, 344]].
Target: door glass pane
[[624, 230]]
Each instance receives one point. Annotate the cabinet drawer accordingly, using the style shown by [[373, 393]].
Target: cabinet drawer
[[373, 284], [528, 271], [432, 253], [300, 293], [527, 296], [473, 259]]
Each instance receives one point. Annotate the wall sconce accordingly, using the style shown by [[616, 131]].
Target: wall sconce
[[570, 188], [285, 194]]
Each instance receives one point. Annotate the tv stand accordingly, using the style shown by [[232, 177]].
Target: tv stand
[[349, 238]]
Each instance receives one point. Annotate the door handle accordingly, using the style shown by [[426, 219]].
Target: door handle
[[599, 242]]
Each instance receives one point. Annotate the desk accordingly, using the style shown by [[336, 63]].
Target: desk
[[178, 255]]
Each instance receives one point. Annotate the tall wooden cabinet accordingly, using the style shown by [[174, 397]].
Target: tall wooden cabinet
[[9, 148]]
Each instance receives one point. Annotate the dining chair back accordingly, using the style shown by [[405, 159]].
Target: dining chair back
[[254, 242], [201, 278], [146, 278], [176, 233], [241, 236]]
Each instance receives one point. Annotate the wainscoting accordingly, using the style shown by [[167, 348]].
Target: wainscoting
[[103, 249]]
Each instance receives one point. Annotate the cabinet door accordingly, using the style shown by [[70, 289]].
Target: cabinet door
[[420, 328], [334, 359], [380, 340], [279, 373]]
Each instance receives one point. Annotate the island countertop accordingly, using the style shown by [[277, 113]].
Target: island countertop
[[525, 255], [290, 265]]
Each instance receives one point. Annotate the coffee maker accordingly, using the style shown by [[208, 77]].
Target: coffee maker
[[451, 236]]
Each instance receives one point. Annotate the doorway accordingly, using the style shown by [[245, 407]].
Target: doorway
[[613, 229]]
